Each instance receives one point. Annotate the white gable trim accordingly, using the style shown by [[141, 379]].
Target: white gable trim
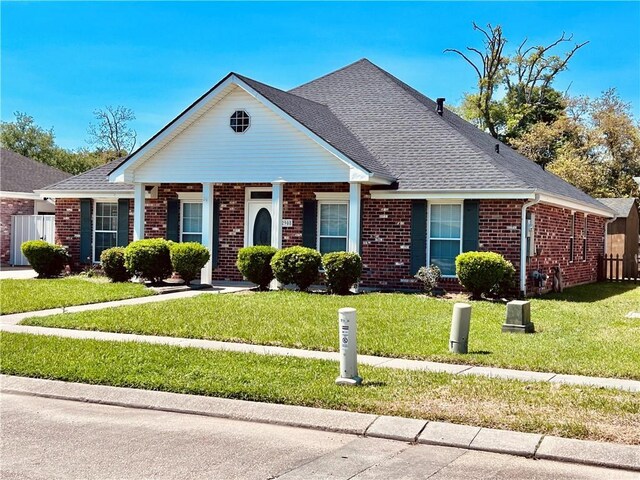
[[126, 171]]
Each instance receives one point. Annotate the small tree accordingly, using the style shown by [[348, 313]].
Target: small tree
[[113, 133]]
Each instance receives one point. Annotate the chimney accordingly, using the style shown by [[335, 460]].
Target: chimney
[[440, 107]]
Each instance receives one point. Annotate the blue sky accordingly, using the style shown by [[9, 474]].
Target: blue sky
[[60, 61]]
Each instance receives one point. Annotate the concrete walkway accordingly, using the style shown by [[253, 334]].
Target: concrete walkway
[[387, 362], [17, 273], [407, 432]]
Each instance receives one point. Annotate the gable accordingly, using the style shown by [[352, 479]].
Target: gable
[[271, 148]]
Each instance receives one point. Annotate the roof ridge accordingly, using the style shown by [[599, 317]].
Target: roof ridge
[[244, 77], [362, 60]]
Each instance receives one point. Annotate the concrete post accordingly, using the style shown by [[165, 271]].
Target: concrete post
[[348, 348], [459, 337], [518, 317]]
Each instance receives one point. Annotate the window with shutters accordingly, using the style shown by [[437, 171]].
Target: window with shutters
[[572, 238], [445, 236], [105, 232], [584, 239], [191, 224], [332, 226]]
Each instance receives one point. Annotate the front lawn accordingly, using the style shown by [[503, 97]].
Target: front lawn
[[585, 412], [583, 331], [39, 294]]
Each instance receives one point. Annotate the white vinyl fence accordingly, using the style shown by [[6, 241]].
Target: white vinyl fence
[[30, 227]]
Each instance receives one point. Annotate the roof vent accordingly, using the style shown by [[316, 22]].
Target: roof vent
[[497, 148], [440, 105]]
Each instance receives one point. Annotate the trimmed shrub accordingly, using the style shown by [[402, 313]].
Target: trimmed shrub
[[149, 259], [47, 259], [187, 259], [429, 276], [297, 265], [254, 264], [480, 272], [112, 260], [342, 270]]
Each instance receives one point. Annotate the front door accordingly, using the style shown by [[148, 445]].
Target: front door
[[258, 223]]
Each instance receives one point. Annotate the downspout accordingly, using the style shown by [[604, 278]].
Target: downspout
[[523, 244], [606, 232]]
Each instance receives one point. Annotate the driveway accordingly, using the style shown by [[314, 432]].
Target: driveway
[[17, 273], [49, 438]]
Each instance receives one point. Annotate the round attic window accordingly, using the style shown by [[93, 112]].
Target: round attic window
[[239, 121]]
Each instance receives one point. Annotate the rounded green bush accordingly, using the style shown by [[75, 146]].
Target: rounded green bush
[[255, 264], [187, 259], [481, 272], [342, 270], [297, 265], [149, 259], [112, 260], [47, 259]]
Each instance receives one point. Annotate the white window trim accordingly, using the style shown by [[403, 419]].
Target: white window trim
[[332, 196], [95, 211], [331, 202], [182, 203], [444, 202], [190, 196], [247, 114], [248, 200], [248, 190]]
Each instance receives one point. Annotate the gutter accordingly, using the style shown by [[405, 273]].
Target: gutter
[[523, 244]]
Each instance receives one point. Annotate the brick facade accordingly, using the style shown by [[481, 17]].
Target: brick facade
[[9, 207], [386, 232]]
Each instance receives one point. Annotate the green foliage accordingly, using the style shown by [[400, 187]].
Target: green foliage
[[255, 264], [297, 265], [149, 259], [112, 260], [480, 272], [187, 259], [343, 269], [429, 276], [47, 259]]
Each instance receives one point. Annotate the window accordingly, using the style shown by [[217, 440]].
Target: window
[[239, 121], [333, 227], [572, 238], [445, 236], [191, 225], [584, 239], [105, 228]]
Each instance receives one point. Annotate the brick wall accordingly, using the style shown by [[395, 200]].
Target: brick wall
[[8, 207], [68, 227]]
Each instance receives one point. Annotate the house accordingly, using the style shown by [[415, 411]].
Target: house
[[355, 160], [19, 177], [623, 234]]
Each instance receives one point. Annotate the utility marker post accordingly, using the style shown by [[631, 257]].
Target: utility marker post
[[459, 337], [348, 348]]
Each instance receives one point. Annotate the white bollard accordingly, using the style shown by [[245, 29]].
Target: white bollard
[[459, 337], [348, 348]]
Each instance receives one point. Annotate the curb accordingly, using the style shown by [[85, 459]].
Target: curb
[[530, 445]]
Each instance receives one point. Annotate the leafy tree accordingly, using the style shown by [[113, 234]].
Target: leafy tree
[[112, 133]]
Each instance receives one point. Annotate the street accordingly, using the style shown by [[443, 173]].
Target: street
[[48, 438]]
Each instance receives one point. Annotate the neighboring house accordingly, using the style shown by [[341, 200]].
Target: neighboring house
[[355, 160], [19, 177], [623, 234]]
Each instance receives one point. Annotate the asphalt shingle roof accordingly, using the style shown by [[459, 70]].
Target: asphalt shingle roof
[[622, 206], [93, 180], [22, 174]]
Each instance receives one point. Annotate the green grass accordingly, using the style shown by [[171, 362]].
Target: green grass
[[39, 294], [583, 331], [597, 414]]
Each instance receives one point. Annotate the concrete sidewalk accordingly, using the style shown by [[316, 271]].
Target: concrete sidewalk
[[394, 428], [387, 362]]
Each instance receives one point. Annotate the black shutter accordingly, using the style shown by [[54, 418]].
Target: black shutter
[[470, 226], [216, 233], [85, 231], [173, 219], [418, 235], [123, 222], [310, 224]]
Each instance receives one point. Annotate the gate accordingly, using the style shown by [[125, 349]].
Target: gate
[[29, 227], [619, 268]]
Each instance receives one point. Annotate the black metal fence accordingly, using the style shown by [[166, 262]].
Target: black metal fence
[[618, 268]]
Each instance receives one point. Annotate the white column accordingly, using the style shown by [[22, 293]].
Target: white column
[[354, 217], [138, 211], [206, 274], [276, 213]]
